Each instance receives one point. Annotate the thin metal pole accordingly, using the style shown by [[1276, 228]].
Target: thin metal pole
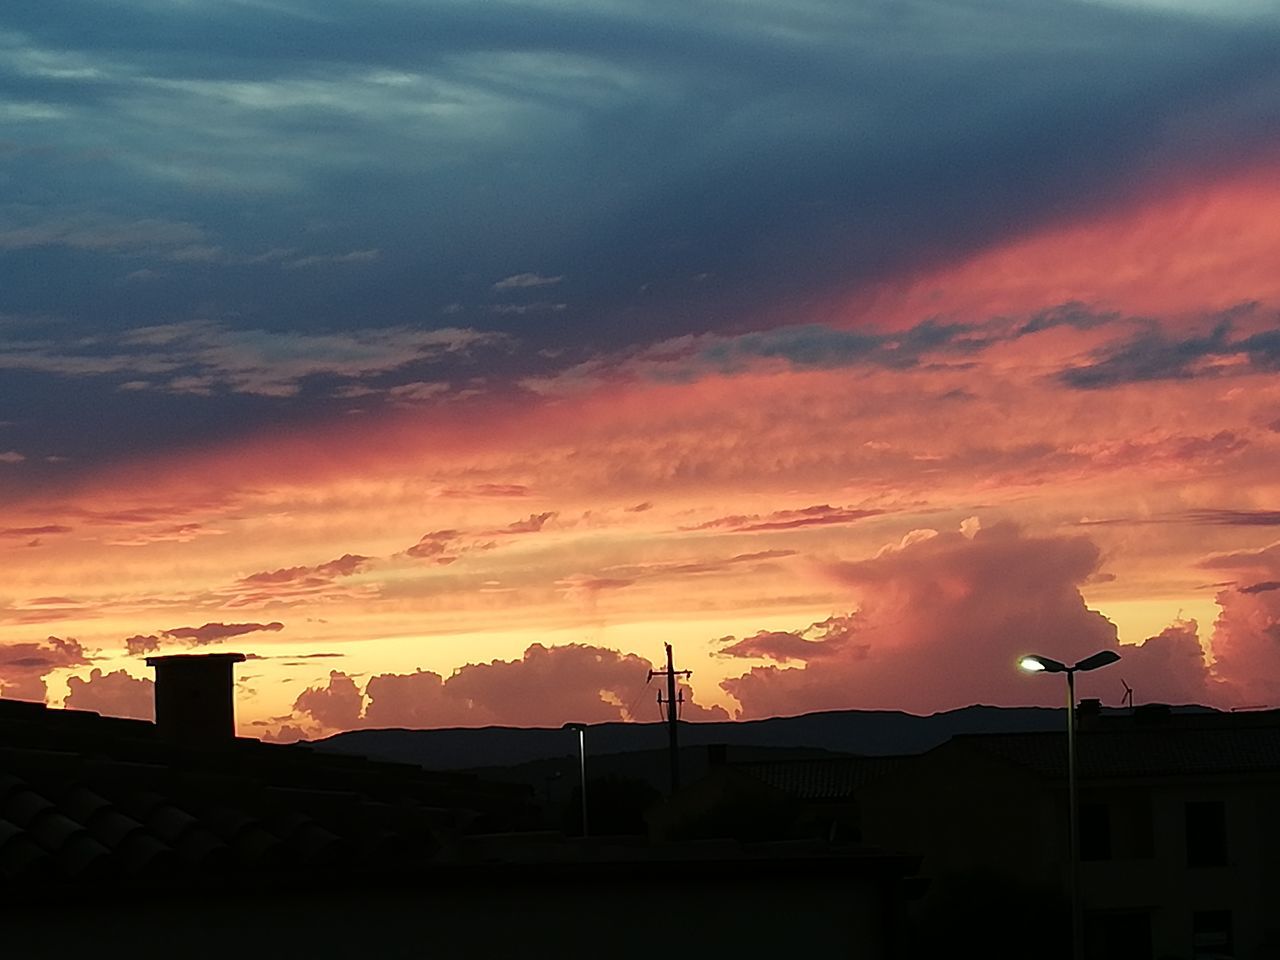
[[1073, 824], [673, 722], [582, 769]]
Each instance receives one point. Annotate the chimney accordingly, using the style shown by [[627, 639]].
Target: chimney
[[194, 696]]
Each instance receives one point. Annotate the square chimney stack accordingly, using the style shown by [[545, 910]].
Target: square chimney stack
[[195, 698]]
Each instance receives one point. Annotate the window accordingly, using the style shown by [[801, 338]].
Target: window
[[1095, 831], [1137, 827], [1211, 935], [1206, 833]]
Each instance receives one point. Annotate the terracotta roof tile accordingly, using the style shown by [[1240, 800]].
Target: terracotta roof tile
[[86, 798]]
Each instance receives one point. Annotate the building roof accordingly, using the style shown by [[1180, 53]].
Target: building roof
[[1176, 746], [86, 798], [822, 778]]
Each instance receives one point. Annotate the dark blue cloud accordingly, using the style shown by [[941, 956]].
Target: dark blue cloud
[[344, 166], [1157, 355]]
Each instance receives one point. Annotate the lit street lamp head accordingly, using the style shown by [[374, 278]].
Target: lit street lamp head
[[1038, 664], [1034, 663]]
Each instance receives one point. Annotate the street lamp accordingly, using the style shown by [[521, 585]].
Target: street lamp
[[582, 766], [1034, 663]]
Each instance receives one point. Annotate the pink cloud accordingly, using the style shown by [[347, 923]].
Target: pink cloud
[[547, 686], [114, 694], [833, 637], [336, 705], [531, 524], [142, 643], [1171, 667], [217, 632], [24, 666], [445, 546], [584, 586], [1246, 635], [485, 491], [816, 516], [941, 621], [671, 569], [433, 545], [22, 532], [344, 566]]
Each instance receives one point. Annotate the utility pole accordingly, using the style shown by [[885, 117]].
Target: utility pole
[[673, 701]]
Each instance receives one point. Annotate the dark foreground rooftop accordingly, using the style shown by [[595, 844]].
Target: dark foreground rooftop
[[86, 798]]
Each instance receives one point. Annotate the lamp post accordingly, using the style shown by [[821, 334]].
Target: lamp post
[[1037, 664], [582, 767]]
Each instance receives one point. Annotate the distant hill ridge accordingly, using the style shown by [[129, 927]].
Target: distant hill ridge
[[866, 732]]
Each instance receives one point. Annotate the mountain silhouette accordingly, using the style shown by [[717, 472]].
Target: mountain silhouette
[[864, 732]]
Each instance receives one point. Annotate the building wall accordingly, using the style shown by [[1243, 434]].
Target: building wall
[[993, 844], [695, 910], [1172, 890], [1005, 829]]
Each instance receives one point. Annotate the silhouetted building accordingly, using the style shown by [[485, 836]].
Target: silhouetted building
[[118, 837], [771, 799], [1179, 836]]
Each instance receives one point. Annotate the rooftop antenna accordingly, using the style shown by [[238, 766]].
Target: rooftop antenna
[[1127, 699]]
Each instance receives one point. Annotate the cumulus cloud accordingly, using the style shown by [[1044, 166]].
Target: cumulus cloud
[[336, 705], [115, 694], [1246, 635], [24, 666], [1171, 667], [547, 686], [941, 620]]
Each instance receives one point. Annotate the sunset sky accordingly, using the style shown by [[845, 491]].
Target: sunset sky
[[448, 358]]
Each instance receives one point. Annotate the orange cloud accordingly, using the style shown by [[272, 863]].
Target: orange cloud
[[114, 694], [547, 686], [1176, 248]]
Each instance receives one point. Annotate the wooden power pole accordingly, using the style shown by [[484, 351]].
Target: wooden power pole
[[675, 697]]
